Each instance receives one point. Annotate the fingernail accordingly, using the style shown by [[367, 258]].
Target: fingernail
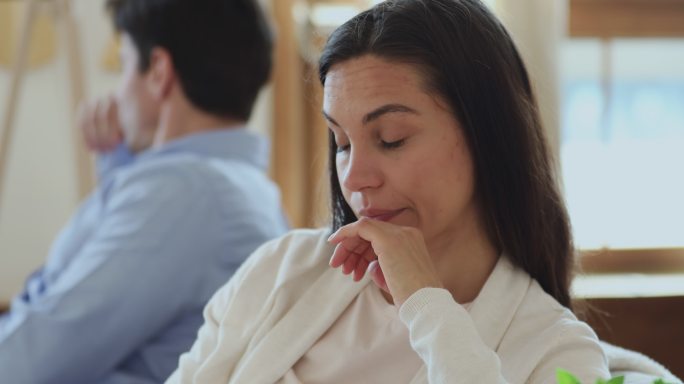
[[373, 265]]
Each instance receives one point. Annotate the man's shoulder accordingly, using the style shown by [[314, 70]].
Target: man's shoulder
[[190, 171], [177, 163]]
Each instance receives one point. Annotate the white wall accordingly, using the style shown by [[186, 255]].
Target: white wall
[[40, 190]]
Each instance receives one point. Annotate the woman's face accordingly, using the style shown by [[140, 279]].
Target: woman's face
[[402, 156]]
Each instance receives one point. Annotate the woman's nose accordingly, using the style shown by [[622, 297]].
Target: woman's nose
[[361, 170]]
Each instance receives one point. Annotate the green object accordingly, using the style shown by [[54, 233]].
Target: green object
[[565, 377]]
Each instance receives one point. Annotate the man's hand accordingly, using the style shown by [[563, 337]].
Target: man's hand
[[99, 123]]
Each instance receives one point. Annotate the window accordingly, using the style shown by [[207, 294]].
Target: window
[[623, 141]]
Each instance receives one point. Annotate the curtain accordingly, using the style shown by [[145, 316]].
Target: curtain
[[538, 28]]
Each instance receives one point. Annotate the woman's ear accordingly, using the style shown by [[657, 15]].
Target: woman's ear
[[161, 76]]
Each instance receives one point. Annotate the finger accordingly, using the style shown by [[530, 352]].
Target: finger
[[350, 263], [345, 248], [366, 251], [115, 133], [346, 232], [378, 277], [106, 128], [373, 231], [361, 268], [339, 256], [363, 248]]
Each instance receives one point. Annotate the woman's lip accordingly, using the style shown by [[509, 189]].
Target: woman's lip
[[380, 214]]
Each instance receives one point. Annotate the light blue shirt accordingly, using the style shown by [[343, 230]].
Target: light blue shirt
[[121, 294]]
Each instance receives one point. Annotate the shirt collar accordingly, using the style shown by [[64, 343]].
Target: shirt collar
[[228, 144], [495, 306]]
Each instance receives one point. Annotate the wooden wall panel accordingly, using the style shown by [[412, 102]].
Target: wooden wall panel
[[289, 142], [626, 18], [299, 132], [42, 42], [663, 260]]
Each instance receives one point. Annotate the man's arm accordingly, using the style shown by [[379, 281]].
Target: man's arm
[[130, 280]]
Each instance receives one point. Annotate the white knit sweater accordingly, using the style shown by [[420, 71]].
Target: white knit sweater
[[286, 296]]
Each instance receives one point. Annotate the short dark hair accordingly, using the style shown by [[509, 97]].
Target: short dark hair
[[468, 59], [221, 49]]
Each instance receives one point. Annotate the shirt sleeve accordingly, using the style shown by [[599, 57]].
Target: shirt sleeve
[[132, 277], [444, 335]]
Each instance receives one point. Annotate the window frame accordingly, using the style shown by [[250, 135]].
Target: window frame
[[609, 19]]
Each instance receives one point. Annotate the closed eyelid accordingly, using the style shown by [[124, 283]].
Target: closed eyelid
[[337, 133], [340, 139]]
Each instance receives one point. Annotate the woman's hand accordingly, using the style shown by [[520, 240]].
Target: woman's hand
[[396, 257]]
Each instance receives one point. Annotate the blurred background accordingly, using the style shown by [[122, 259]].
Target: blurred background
[[609, 75]]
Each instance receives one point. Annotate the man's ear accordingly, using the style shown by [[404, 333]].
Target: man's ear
[[161, 76]]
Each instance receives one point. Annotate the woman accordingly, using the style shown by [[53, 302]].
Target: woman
[[443, 195]]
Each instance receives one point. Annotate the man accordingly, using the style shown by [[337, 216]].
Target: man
[[183, 199]]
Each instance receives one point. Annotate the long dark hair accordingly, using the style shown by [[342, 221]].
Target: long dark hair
[[468, 58]]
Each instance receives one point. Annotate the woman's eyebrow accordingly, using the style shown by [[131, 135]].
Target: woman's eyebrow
[[377, 113], [385, 109]]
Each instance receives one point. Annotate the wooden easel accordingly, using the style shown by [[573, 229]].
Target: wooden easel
[[69, 32]]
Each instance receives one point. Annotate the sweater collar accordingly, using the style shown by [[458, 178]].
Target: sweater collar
[[315, 312], [495, 306], [309, 318]]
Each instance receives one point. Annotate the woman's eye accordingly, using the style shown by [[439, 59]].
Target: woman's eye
[[392, 144]]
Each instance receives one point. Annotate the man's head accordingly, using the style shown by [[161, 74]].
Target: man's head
[[219, 52]]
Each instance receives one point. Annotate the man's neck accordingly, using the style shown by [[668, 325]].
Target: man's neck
[[184, 120]]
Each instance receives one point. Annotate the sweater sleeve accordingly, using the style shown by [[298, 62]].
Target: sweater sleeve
[[445, 337]]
